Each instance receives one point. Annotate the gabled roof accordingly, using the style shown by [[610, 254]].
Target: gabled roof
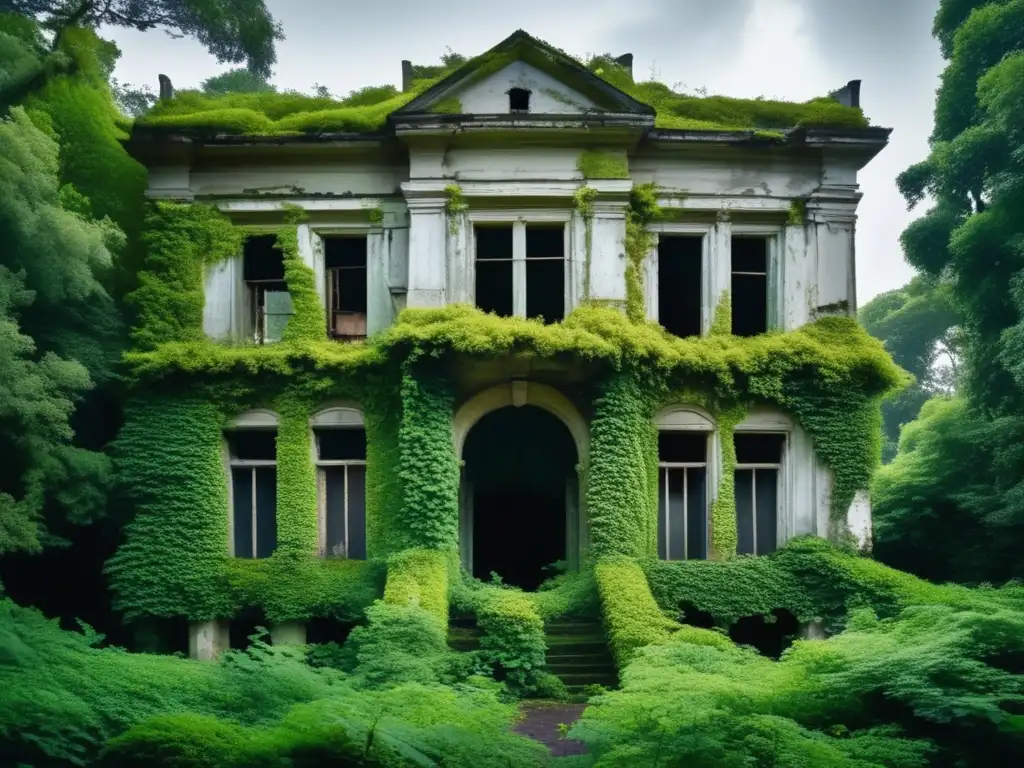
[[520, 46]]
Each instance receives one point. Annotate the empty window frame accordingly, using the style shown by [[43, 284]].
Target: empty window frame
[[679, 283], [263, 273], [682, 495], [750, 267], [758, 471], [341, 462], [345, 260], [518, 100], [252, 456], [521, 270]]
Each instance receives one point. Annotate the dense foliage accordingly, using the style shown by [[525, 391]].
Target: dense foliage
[[950, 504], [915, 674]]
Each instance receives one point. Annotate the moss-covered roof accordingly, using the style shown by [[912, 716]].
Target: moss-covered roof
[[366, 111]]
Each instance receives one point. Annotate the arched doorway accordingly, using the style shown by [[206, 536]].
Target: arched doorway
[[520, 495]]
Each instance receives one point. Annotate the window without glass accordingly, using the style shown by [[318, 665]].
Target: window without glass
[[520, 270], [494, 279], [749, 285], [682, 495], [679, 283], [345, 258], [518, 100], [341, 458], [758, 461], [545, 272], [253, 461], [263, 273]]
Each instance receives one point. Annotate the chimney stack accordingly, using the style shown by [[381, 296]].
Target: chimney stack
[[166, 89], [626, 62], [848, 95], [406, 75]]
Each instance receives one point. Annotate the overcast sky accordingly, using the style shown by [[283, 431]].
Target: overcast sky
[[788, 49]]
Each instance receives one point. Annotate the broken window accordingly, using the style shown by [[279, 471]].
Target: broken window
[[520, 270], [758, 461], [253, 461], [749, 285], [518, 100], [682, 495], [341, 458], [679, 284], [345, 259], [494, 269], [545, 272], [263, 273]]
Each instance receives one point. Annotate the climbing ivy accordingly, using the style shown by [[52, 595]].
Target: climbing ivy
[[308, 320], [595, 164], [643, 209], [454, 206], [584, 200]]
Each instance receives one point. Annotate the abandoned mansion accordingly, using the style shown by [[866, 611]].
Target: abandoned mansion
[[523, 311]]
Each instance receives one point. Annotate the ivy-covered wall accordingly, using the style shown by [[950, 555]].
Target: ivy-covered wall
[[829, 375]]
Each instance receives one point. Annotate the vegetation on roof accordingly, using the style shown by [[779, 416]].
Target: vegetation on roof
[[366, 110]]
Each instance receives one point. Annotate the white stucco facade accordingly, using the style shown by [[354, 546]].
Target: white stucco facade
[[519, 171]]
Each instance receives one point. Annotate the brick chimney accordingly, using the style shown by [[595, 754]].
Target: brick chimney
[[848, 95]]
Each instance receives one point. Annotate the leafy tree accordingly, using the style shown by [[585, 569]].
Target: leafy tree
[[917, 323], [234, 31], [951, 505], [53, 252], [237, 80]]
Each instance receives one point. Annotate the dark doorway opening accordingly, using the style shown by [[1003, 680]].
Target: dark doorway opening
[[520, 473]]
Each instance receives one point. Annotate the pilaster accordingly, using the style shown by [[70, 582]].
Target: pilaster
[[719, 269], [207, 639], [607, 262], [832, 217], [428, 236]]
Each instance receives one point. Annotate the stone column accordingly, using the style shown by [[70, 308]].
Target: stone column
[[608, 242], [288, 633], [832, 216], [428, 235], [719, 272], [207, 639]]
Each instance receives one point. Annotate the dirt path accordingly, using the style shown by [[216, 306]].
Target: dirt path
[[541, 720]]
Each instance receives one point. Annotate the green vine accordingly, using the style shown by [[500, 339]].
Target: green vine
[[643, 209], [721, 322], [724, 535], [584, 200], [308, 321], [797, 212], [454, 207]]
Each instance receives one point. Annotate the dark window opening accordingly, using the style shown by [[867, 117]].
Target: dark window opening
[[518, 100], [341, 454], [545, 273], [749, 285], [246, 624], [494, 290], [770, 635], [679, 284], [263, 273], [341, 444], [320, 630], [253, 492], [345, 259], [694, 617], [758, 460], [682, 496], [521, 483]]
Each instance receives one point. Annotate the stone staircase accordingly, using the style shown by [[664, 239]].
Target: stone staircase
[[578, 653]]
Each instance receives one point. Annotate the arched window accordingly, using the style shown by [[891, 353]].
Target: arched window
[[252, 459], [340, 443], [684, 446], [761, 441]]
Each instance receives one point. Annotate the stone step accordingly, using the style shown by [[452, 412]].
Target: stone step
[[608, 680], [574, 628], [581, 664]]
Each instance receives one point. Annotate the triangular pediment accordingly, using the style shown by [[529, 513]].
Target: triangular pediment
[[493, 84]]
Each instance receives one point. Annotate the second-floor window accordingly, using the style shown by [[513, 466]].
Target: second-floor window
[[520, 270], [750, 264], [679, 283], [263, 272], [758, 464], [253, 460], [345, 259], [341, 462], [682, 495]]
